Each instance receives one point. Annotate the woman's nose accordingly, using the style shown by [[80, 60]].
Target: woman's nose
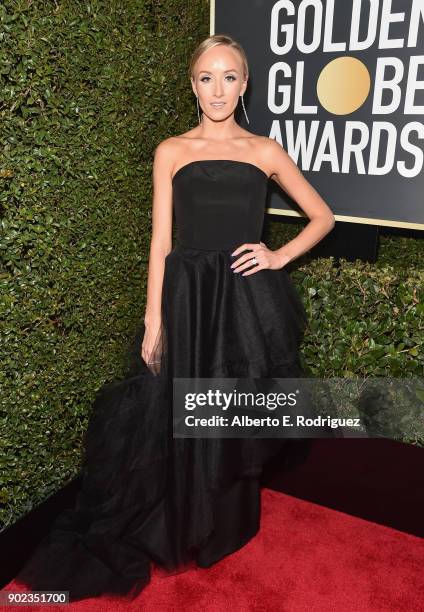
[[218, 88]]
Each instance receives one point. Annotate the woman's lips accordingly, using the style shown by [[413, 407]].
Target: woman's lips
[[217, 104]]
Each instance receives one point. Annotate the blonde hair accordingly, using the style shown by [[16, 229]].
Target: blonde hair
[[213, 41]]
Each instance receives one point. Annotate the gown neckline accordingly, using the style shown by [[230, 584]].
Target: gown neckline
[[233, 161]]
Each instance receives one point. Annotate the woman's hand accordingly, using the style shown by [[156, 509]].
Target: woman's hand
[[151, 348], [263, 257]]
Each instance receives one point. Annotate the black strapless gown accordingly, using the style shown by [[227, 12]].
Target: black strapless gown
[[180, 502]]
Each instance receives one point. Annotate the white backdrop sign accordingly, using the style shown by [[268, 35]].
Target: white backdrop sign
[[340, 84]]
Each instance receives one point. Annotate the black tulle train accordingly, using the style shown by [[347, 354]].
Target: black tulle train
[[145, 496]]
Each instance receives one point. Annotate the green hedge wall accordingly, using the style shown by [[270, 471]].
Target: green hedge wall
[[364, 319], [88, 91]]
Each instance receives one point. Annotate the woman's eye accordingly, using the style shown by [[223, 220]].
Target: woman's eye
[[229, 76]]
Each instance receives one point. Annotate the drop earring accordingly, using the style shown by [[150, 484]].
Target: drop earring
[[198, 111], [244, 108]]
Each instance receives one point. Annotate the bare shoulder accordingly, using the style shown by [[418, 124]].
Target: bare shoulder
[[268, 147], [265, 150], [166, 148], [166, 154], [275, 158], [172, 149]]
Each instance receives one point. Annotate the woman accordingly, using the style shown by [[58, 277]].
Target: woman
[[219, 304]]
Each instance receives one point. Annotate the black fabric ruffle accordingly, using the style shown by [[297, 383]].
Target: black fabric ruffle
[[145, 496]]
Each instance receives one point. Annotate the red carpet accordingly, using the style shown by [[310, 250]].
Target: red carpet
[[305, 558]]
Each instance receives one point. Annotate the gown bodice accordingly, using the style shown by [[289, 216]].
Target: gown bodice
[[219, 203]]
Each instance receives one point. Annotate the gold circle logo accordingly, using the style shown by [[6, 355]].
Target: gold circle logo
[[343, 85]]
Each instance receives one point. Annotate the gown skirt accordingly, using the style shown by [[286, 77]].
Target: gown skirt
[[147, 497]]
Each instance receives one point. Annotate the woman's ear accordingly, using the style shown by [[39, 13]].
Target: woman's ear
[[193, 86]]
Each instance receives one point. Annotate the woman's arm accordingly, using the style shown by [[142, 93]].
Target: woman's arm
[[161, 240], [286, 174]]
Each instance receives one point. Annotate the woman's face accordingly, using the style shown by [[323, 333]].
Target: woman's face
[[219, 81]]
